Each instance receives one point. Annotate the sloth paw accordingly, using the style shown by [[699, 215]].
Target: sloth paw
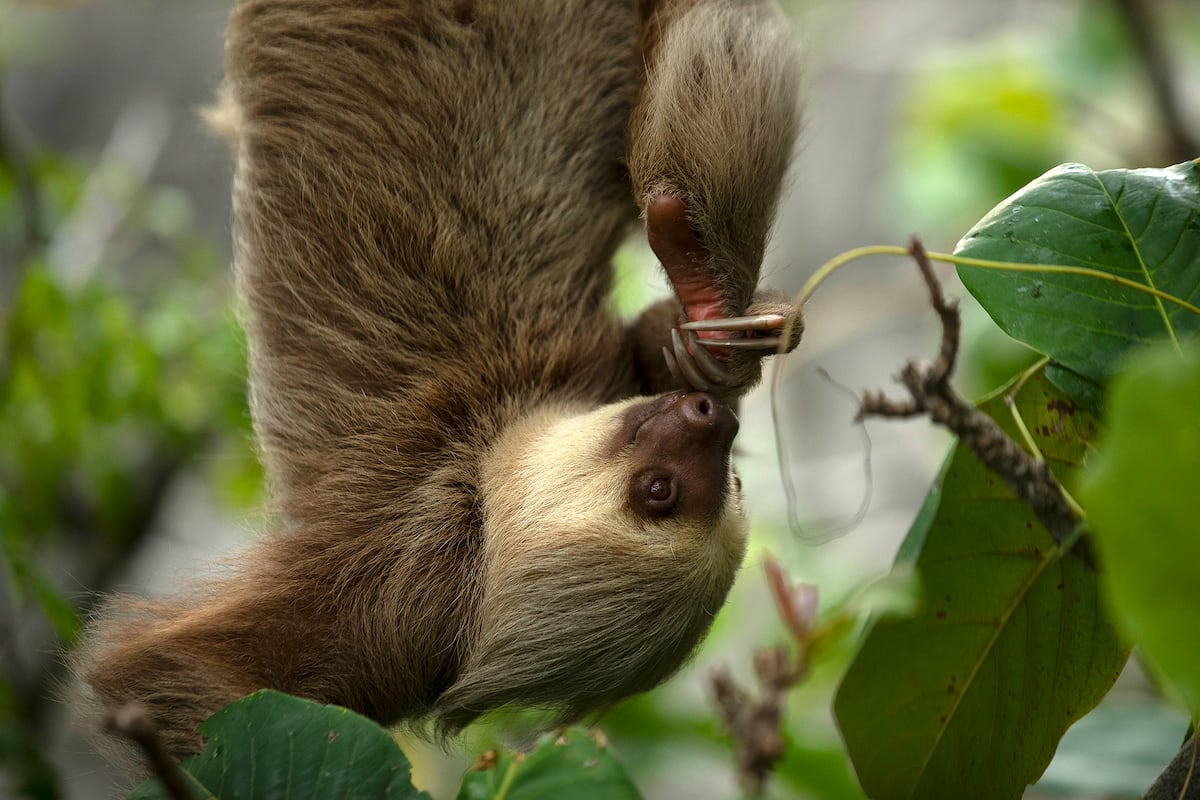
[[761, 334]]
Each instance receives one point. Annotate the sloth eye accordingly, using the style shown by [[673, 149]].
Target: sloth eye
[[654, 493], [661, 497]]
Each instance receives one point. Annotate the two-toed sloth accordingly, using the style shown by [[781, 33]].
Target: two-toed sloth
[[489, 490]]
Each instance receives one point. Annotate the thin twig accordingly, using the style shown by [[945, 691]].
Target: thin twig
[[1148, 44], [133, 723], [33, 233], [931, 393], [756, 723]]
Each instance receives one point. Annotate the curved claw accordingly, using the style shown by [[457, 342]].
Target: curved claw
[[683, 360], [709, 365], [755, 322], [757, 343], [673, 367]]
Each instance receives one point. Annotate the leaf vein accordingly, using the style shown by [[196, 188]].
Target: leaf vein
[[1137, 251]]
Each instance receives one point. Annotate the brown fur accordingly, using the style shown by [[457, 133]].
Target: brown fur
[[427, 199]]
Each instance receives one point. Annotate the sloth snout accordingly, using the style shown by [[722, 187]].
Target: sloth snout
[[703, 411]]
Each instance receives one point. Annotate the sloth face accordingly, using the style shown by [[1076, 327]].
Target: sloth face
[[611, 540], [677, 447]]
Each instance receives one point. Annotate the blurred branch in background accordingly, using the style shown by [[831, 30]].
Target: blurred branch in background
[[1144, 32], [32, 235]]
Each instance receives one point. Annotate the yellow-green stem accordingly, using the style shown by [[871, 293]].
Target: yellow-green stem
[[839, 261]]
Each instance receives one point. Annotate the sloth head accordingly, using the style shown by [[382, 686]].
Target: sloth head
[[611, 540]]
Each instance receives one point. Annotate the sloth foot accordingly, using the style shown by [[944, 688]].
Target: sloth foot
[[692, 365]]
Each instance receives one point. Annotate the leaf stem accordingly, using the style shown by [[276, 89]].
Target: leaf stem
[[837, 262], [1009, 400], [506, 781], [1057, 269]]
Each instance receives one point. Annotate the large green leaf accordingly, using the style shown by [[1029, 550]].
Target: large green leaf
[[271, 745], [1140, 495], [566, 766], [970, 697], [1143, 225]]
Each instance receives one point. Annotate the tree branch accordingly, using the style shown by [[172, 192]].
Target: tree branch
[[1146, 41], [1179, 781], [931, 393], [33, 229], [756, 724], [132, 722]]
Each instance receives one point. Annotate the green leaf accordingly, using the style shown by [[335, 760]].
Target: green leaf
[[1142, 225], [1140, 493], [560, 767], [970, 697], [272, 745]]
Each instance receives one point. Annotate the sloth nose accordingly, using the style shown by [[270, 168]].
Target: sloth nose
[[703, 411]]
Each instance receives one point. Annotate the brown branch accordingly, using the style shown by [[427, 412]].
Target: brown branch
[[931, 393], [133, 723], [1148, 44], [1179, 781], [756, 724]]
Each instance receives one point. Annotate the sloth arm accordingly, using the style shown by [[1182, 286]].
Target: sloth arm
[[692, 341], [710, 136]]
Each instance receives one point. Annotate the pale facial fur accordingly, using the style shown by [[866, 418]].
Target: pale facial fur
[[584, 601]]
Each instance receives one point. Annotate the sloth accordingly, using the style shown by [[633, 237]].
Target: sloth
[[486, 489]]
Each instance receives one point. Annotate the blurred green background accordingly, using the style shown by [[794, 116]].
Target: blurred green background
[[126, 456]]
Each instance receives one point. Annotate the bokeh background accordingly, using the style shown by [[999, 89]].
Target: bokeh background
[[126, 458]]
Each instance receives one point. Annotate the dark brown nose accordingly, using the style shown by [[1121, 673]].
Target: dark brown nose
[[705, 413]]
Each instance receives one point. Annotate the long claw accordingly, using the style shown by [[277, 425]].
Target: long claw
[[705, 361], [756, 322], [757, 343], [687, 365], [673, 367]]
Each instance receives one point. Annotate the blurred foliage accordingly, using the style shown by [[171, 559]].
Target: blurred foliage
[[1139, 494], [121, 366], [108, 388], [983, 118]]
